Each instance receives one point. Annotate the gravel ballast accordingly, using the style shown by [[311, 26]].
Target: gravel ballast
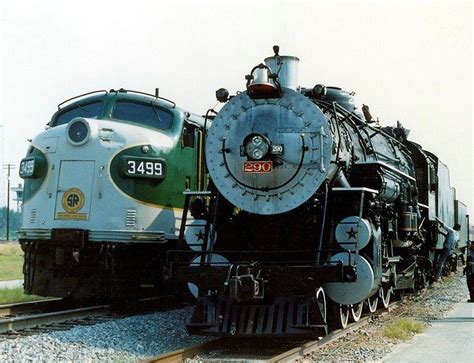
[[122, 340]]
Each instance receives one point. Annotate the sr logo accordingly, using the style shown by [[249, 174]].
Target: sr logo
[[73, 200]]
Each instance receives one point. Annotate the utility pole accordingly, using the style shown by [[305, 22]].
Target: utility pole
[[8, 167]]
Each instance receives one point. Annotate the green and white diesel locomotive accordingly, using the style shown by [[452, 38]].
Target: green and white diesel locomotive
[[103, 194]]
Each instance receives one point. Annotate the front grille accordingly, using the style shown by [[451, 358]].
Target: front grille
[[33, 216]]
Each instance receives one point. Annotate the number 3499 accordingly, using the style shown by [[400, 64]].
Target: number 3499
[[144, 168]]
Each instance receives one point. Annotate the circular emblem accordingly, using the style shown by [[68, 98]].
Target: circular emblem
[[73, 200]]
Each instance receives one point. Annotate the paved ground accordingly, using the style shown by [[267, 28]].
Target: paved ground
[[450, 339], [11, 284]]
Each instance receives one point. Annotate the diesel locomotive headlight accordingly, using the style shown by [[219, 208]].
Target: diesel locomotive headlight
[[78, 131], [256, 147]]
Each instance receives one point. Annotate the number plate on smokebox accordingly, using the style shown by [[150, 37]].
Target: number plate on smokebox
[[258, 167]]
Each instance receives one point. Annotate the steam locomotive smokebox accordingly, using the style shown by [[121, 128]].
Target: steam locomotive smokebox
[[293, 123]]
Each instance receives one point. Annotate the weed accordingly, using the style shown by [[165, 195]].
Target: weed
[[403, 328], [11, 262], [8, 296]]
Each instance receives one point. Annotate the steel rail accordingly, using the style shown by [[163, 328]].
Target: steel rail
[[181, 355], [23, 307], [306, 348], [56, 304], [33, 321]]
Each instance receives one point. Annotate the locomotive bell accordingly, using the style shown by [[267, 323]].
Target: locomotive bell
[[259, 85]]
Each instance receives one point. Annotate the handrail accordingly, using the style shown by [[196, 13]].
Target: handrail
[[84, 94], [117, 91]]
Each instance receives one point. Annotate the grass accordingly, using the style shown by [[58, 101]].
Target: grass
[[403, 328], [11, 262], [11, 268], [448, 279], [8, 296]]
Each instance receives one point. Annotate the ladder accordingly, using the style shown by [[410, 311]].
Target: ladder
[[211, 199]]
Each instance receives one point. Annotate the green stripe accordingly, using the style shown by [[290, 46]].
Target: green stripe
[[32, 185], [180, 163]]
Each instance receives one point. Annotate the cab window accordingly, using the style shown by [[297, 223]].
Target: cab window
[[89, 110], [145, 114]]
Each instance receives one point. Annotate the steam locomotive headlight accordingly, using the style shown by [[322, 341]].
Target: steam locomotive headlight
[[257, 154], [257, 147], [78, 131]]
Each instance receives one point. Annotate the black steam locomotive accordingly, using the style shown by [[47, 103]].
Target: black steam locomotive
[[314, 211]]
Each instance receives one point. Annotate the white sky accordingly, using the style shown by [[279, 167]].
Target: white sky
[[410, 61]]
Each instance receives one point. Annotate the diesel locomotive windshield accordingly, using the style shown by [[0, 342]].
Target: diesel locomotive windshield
[[144, 114], [141, 113], [89, 110]]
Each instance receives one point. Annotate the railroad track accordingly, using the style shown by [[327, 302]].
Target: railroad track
[[292, 354], [38, 314], [181, 355], [15, 309], [30, 321], [308, 347], [300, 352]]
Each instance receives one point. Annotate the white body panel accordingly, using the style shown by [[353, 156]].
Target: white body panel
[[108, 213]]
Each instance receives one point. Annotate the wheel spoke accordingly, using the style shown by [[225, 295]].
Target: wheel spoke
[[384, 294], [339, 316], [321, 301], [356, 311], [372, 303], [344, 312]]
